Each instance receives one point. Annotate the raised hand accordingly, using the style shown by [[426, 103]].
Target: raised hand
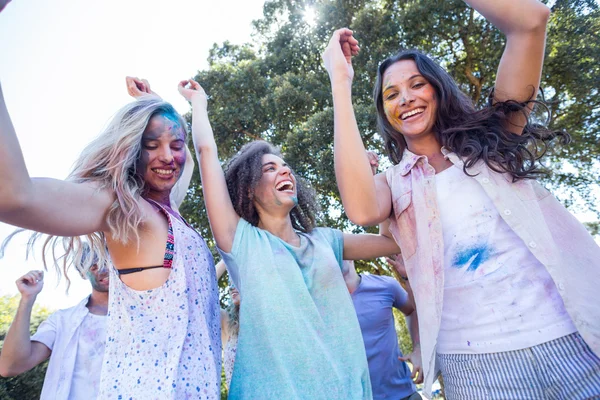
[[192, 91], [337, 56], [417, 366], [30, 284], [139, 87]]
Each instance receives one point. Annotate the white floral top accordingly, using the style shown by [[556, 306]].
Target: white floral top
[[165, 343]]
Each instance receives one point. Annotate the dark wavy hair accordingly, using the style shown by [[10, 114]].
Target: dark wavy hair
[[242, 174], [472, 134]]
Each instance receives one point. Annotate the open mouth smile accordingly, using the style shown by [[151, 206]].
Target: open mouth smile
[[163, 173], [411, 113], [285, 186]]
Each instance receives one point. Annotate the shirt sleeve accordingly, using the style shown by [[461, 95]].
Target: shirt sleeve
[[335, 238], [46, 333], [244, 233], [399, 295]]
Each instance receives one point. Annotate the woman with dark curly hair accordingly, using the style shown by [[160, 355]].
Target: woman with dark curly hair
[[504, 277], [299, 337]]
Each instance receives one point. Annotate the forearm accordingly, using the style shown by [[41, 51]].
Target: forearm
[[352, 169], [412, 323], [220, 269], [368, 246], [16, 350], [513, 16], [202, 133], [221, 214], [14, 187], [519, 72]]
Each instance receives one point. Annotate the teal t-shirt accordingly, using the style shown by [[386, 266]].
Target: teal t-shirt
[[299, 335]]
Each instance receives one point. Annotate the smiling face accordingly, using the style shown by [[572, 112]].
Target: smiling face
[[163, 155], [276, 189], [98, 277], [409, 101]]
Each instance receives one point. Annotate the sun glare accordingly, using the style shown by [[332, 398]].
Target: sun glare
[[310, 16]]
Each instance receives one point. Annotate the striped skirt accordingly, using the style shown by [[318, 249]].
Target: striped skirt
[[564, 368]]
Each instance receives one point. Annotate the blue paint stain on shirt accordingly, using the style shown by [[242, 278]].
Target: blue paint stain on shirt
[[471, 256]]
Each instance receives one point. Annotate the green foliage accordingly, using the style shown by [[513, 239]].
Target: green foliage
[[29, 384], [403, 335], [277, 90]]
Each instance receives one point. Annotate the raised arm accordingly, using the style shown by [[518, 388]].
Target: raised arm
[[367, 201], [45, 205], [19, 353], [221, 214], [520, 69]]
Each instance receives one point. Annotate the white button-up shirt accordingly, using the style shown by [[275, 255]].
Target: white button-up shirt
[[553, 235], [60, 333]]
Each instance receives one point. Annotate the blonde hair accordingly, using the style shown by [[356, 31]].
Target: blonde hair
[[110, 160]]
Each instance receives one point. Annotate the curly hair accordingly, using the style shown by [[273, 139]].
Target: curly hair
[[243, 172], [110, 161], [472, 134]]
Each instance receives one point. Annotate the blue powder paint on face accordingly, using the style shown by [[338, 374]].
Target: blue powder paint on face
[[473, 256]]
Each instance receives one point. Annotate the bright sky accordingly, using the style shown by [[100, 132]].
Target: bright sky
[[62, 68]]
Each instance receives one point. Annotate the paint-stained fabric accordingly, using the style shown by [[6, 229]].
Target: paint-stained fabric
[[551, 233], [374, 299], [60, 333], [165, 343], [229, 351], [299, 337], [519, 306], [90, 354]]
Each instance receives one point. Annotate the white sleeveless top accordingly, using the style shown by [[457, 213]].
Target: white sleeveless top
[[165, 343]]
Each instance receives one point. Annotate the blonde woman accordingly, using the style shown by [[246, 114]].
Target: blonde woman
[[163, 328]]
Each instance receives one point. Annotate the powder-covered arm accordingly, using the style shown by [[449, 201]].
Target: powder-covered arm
[[221, 214]]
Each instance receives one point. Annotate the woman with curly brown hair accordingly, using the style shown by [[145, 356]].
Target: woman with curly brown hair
[[504, 277], [299, 337]]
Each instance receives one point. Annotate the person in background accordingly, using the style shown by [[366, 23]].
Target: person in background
[[73, 338], [230, 325], [374, 297]]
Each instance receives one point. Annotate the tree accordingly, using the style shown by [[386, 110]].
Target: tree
[[276, 89], [27, 385]]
